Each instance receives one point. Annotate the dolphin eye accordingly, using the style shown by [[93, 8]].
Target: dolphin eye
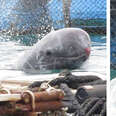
[[48, 53]]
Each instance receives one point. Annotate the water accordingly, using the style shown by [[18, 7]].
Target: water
[[10, 51]]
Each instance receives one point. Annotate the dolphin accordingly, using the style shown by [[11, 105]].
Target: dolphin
[[65, 48]]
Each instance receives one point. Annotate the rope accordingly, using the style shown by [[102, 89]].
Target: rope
[[6, 90], [32, 99]]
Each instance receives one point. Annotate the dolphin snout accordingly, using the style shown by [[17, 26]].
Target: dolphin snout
[[87, 51]]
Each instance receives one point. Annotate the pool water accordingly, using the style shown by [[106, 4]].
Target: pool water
[[113, 57], [11, 49]]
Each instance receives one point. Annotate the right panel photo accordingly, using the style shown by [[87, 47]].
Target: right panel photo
[[113, 57]]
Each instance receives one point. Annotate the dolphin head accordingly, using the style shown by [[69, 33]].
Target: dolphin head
[[65, 48]]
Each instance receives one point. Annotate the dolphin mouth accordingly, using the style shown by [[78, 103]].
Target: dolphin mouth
[[87, 51], [71, 58]]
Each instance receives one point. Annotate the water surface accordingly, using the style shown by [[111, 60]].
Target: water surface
[[11, 50]]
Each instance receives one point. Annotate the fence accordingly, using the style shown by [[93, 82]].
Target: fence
[[39, 16]]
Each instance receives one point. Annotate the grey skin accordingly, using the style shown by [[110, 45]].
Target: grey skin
[[62, 49]]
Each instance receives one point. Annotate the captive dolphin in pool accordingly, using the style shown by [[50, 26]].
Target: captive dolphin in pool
[[62, 49]]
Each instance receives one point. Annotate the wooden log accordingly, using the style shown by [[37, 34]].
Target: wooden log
[[41, 106], [16, 109], [52, 95], [7, 108], [49, 96], [31, 114]]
